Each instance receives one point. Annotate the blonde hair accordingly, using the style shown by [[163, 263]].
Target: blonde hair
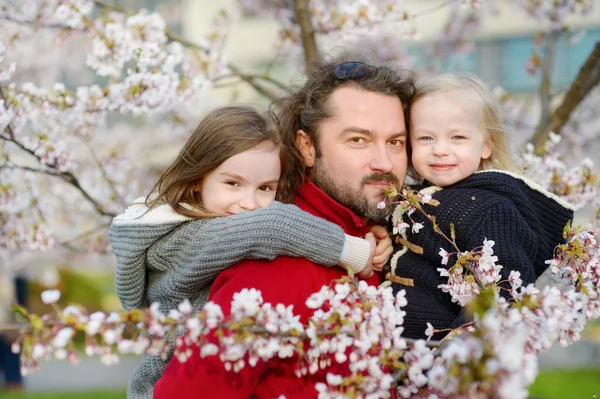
[[223, 133], [491, 121]]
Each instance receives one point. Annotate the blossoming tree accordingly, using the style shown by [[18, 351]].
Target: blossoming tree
[[74, 75]]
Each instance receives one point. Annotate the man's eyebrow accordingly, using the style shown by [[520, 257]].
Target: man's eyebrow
[[356, 129], [368, 132]]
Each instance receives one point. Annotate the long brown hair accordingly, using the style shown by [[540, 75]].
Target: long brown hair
[[223, 133], [309, 106]]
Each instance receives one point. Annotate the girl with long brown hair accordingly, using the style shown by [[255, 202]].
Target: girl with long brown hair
[[214, 206]]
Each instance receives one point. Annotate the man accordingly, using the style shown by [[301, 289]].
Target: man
[[348, 128]]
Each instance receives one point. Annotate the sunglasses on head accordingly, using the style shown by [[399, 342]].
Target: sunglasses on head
[[353, 70]]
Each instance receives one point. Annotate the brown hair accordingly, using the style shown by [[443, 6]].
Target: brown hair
[[223, 133], [309, 106], [491, 122]]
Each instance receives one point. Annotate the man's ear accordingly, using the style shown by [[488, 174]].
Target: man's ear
[[487, 150], [306, 147]]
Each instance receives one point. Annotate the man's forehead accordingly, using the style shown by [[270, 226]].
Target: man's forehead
[[353, 108], [356, 99]]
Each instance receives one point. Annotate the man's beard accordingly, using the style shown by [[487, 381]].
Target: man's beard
[[354, 199]]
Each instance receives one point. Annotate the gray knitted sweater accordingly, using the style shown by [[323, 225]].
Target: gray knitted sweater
[[166, 257]]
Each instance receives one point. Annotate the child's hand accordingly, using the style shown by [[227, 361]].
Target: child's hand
[[368, 270], [384, 248]]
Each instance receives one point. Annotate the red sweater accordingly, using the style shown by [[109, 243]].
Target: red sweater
[[284, 280]]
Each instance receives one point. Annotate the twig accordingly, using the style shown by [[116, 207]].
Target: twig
[[404, 17], [85, 234], [67, 177], [546, 84], [14, 326], [105, 176], [587, 78], [452, 242], [112, 7], [29, 168], [264, 77], [246, 78], [307, 34]]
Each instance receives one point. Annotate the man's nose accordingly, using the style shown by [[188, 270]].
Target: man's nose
[[381, 161], [248, 202]]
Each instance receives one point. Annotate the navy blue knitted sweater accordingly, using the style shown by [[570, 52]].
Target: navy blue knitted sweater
[[525, 221]]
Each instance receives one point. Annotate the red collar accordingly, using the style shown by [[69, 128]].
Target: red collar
[[312, 199]]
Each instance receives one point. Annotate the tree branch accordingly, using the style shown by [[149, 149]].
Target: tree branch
[[251, 80], [546, 85], [587, 78], [14, 326], [180, 39], [307, 34], [99, 165], [67, 177]]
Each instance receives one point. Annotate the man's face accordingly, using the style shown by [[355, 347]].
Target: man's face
[[362, 150]]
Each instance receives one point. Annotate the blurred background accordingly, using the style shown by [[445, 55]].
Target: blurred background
[[498, 43]]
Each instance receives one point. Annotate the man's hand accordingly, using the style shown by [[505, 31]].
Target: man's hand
[[384, 248], [368, 270]]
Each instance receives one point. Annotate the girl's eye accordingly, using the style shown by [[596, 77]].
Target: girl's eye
[[266, 188], [458, 137], [424, 138], [232, 183]]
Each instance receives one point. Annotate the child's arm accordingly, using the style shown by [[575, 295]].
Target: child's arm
[[209, 246]]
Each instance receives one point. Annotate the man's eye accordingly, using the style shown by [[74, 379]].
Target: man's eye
[[396, 143], [357, 140]]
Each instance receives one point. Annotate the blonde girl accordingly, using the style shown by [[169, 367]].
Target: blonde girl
[[458, 146]]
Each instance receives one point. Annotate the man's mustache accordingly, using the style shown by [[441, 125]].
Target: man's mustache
[[380, 177]]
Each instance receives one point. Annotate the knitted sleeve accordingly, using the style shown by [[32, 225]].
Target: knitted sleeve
[[515, 244], [203, 248]]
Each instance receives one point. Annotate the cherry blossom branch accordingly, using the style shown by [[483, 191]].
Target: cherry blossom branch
[[8, 127], [252, 80], [65, 176], [414, 200], [402, 17]]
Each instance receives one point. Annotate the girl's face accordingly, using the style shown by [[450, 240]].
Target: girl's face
[[447, 142], [244, 182]]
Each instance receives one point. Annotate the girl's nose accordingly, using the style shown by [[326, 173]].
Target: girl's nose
[[441, 148], [248, 203]]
